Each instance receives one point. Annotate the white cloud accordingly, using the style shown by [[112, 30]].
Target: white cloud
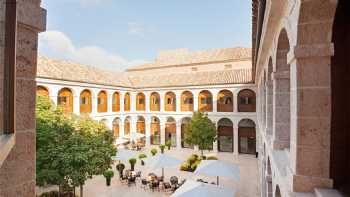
[[60, 45]]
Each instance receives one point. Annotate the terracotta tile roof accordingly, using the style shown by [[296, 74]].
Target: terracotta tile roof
[[184, 57], [69, 71]]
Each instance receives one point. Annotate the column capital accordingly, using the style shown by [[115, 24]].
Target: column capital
[[310, 51]]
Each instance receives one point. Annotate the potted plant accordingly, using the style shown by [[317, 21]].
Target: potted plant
[[120, 167], [162, 147], [132, 162], [108, 174], [141, 157], [168, 144], [154, 151]]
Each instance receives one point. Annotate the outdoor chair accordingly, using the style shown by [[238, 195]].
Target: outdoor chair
[[154, 185], [174, 180], [124, 179], [167, 187], [131, 180], [160, 179], [144, 184], [138, 175]]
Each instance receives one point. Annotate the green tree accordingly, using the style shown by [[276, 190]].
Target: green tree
[[70, 149], [201, 131]]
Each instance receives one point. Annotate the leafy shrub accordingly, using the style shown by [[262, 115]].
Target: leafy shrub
[[162, 147], [168, 144], [50, 194], [120, 167], [212, 158], [154, 151], [185, 167], [142, 156], [203, 157], [192, 159], [108, 174], [195, 165], [132, 162]]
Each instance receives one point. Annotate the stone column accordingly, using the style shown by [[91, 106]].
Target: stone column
[[215, 101], [148, 102], [162, 132], [17, 171], [235, 100], [178, 135], [195, 100], [269, 107], [121, 102], [133, 120], [178, 102], [132, 102], [148, 132], [76, 102], [162, 102], [109, 101], [235, 140], [94, 102]]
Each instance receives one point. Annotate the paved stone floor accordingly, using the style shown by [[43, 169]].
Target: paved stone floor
[[247, 186]]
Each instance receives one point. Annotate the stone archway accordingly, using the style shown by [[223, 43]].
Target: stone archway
[[184, 123], [155, 131], [170, 131], [225, 135], [65, 100], [116, 129], [42, 91], [247, 137]]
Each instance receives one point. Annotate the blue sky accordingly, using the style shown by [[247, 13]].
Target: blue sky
[[115, 34]]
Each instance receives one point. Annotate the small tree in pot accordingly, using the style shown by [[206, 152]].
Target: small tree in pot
[[141, 157], [120, 167], [132, 162], [162, 147], [108, 175], [168, 144], [154, 151]]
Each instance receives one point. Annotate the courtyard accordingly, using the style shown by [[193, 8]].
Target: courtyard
[[246, 187]]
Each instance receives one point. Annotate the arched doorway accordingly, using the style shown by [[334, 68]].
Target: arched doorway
[[140, 102], [155, 131], [116, 102], [340, 84], [85, 102], [247, 137], [246, 101], [65, 100], [205, 101], [127, 102], [187, 101], [170, 131], [184, 123], [155, 101], [102, 102], [140, 128], [127, 122], [225, 101], [42, 91], [116, 123], [170, 101], [225, 135]]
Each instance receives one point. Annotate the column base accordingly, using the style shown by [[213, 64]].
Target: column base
[[309, 183]]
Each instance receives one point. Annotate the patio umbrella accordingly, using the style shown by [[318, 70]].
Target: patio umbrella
[[163, 161], [125, 155], [198, 189], [120, 141], [219, 169]]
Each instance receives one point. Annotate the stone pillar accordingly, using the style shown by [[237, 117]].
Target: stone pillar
[[281, 109], [162, 102], [215, 101], [133, 120], [215, 147], [162, 132], [148, 132], [132, 101], [121, 102], [235, 139], [94, 102], [269, 107], [178, 135], [310, 116], [76, 102], [17, 171], [195, 101], [54, 95], [178, 102], [148, 102], [121, 128], [235, 100], [109, 101]]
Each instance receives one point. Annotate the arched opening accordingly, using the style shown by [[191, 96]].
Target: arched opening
[[247, 137], [116, 123], [187, 101], [140, 102], [85, 102], [155, 101], [278, 191], [104, 122], [225, 135], [340, 84], [170, 131], [225, 101], [42, 91], [65, 100], [170, 101], [184, 123], [127, 102], [155, 131], [281, 94], [246, 101], [205, 101], [127, 122], [116, 102], [140, 128], [102, 102]]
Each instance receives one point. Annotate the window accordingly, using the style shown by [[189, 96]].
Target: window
[[141, 101], [126, 101], [171, 101], [62, 100], [100, 101], [206, 101], [246, 100], [155, 100], [228, 100], [84, 101], [188, 101]]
